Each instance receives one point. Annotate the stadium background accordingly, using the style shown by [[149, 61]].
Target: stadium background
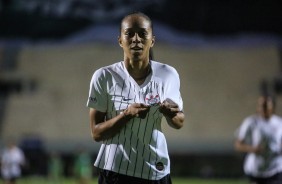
[[225, 52]]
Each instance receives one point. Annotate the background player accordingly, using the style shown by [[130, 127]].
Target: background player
[[12, 160], [260, 136]]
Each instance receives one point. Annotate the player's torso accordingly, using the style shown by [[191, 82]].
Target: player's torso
[[123, 90], [141, 143], [268, 135], [268, 131]]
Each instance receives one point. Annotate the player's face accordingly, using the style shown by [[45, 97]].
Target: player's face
[[265, 107], [136, 38]]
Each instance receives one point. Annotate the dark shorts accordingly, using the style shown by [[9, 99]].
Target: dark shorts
[[275, 179], [11, 179], [109, 177]]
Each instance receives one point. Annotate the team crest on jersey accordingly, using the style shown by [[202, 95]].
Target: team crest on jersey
[[152, 99]]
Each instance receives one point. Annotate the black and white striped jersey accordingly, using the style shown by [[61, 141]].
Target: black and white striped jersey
[[140, 149]]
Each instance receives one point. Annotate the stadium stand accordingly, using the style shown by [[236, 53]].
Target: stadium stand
[[219, 86]]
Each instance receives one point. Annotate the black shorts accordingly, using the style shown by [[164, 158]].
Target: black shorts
[[109, 177], [275, 179], [11, 179]]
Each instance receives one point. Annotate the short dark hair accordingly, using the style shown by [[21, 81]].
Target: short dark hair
[[139, 14], [270, 97]]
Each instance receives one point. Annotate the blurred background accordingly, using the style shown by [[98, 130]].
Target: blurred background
[[226, 52]]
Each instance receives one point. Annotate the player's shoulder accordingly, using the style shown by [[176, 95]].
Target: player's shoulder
[[250, 120], [163, 68], [160, 65], [103, 71], [277, 118], [113, 66]]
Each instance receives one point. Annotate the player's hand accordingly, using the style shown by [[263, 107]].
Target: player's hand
[[169, 108], [137, 110], [260, 149]]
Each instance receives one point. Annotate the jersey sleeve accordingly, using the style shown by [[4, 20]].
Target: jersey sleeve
[[97, 98], [172, 88], [244, 129]]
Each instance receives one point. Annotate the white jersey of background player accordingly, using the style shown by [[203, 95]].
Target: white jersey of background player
[[260, 136], [12, 158], [140, 148]]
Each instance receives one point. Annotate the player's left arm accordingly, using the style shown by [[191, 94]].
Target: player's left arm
[[172, 106], [174, 117]]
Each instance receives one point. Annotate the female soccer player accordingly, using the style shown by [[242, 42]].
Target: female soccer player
[[260, 136], [127, 101]]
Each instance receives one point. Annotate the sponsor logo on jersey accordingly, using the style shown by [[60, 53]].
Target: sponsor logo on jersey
[[93, 99], [126, 99], [160, 166]]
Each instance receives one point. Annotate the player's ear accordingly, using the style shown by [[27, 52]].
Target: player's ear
[[153, 41], [119, 41]]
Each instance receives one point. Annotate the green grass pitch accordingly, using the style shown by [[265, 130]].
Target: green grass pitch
[[36, 180]]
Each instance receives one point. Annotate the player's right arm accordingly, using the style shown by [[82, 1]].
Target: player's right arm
[[102, 129], [244, 131], [241, 146]]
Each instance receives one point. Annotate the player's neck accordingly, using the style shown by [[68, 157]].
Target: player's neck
[[138, 70]]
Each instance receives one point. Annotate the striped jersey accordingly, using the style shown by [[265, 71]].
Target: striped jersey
[[140, 148]]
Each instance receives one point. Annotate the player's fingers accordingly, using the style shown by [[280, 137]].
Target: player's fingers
[[141, 105], [143, 109], [174, 109], [170, 104]]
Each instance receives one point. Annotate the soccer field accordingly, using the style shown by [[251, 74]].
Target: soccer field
[[175, 181]]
